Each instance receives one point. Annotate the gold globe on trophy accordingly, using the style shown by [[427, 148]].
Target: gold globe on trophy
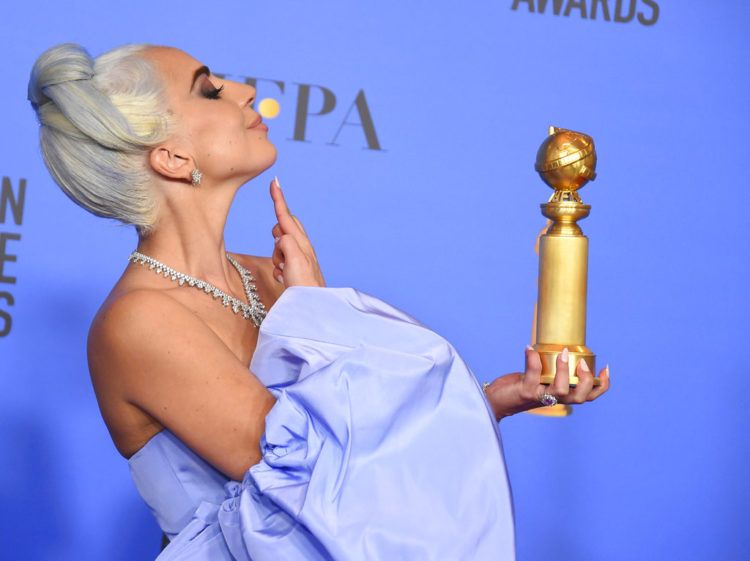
[[566, 161]]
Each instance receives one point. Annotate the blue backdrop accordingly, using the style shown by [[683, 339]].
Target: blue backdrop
[[433, 206]]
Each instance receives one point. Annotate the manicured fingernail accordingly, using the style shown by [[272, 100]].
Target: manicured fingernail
[[276, 240], [281, 265], [606, 367], [280, 279], [276, 180], [564, 354], [584, 365], [529, 348]]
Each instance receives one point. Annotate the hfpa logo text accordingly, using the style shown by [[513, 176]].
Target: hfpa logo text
[[314, 101]]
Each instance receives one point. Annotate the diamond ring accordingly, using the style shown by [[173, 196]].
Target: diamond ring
[[548, 399]]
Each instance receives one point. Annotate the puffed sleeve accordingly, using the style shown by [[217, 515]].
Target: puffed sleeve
[[381, 444]]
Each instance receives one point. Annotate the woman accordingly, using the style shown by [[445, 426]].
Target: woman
[[263, 414]]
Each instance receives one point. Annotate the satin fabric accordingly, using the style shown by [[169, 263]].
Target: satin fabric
[[381, 446]]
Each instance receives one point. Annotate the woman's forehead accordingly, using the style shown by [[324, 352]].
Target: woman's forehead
[[177, 65]]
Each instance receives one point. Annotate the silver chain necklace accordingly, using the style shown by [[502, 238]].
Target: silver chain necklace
[[254, 311]]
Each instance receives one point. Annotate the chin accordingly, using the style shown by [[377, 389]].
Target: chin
[[266, 163], [263, 164], [274, 153]]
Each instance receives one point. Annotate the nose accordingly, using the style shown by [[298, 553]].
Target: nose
[[243, 94], [247, 94]]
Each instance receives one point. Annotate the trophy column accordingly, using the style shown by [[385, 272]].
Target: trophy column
[[566, 161]]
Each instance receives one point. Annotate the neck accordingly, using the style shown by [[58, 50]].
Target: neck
[[189, 235]]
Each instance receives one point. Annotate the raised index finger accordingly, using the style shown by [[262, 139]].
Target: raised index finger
[[286, 221]]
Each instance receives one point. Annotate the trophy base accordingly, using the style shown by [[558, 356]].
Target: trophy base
[[548, 353], [559, 410]]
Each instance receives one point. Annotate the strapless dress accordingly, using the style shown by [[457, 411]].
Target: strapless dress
[[381, 446]]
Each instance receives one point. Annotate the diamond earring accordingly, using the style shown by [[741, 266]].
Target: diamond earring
[[196, 177]]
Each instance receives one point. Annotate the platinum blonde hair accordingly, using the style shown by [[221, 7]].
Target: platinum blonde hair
[[98, 119]]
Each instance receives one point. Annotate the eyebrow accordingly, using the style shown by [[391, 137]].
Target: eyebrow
[[197, 74]]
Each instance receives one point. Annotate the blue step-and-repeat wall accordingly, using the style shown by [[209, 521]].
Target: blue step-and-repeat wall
[[407, 133]]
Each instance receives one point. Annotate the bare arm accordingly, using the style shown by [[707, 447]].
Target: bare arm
[[171, 365]]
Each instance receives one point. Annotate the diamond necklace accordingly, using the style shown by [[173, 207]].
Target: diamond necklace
[[254, 311]]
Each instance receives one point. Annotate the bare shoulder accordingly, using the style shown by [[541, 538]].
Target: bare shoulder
[[137, 317], [145, 326], [124, 314], [128, 327]]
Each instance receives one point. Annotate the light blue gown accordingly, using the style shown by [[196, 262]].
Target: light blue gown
[[381, 447]]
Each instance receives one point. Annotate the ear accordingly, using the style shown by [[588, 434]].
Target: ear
[[171, 162]]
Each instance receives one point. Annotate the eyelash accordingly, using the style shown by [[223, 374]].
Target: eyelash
[[214, 93]]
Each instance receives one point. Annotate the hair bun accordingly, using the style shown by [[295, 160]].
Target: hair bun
[[62, 63], [99, 118], [64, 75]]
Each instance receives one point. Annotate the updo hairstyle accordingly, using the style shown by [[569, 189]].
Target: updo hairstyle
[[98, 120]]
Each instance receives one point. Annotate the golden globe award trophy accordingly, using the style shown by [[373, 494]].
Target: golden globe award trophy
[[565, 161]]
